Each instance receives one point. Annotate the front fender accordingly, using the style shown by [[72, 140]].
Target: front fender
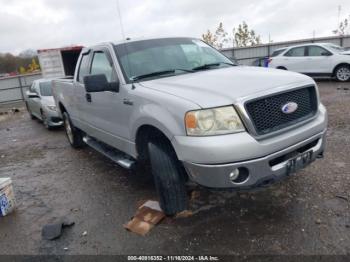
[[158, 117]]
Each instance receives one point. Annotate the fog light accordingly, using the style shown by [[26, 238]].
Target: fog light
[[234, 174], [239, 175]]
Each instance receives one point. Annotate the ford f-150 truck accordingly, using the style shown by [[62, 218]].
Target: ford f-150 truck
[[183, 107]]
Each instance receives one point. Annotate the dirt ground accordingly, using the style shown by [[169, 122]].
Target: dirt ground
[[306, 214]]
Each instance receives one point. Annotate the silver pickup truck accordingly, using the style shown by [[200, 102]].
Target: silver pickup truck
[[190, 112]]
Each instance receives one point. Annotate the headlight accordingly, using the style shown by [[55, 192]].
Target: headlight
[[215, 121], [52, 108]]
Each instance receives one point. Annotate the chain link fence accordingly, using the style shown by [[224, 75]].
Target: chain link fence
[[13, 88]]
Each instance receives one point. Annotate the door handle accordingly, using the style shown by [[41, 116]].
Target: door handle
[[127, 101], [88, 97]]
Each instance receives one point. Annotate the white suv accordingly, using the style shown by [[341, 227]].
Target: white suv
[[317, 60]]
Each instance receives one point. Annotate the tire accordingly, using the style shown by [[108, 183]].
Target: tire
[[342, 73], [169, 177], [74, 135], [281, 68]]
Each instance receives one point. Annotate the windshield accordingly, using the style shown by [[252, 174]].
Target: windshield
[[166, 57], [335, 48], [45, 89]]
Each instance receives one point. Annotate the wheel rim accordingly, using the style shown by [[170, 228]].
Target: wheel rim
[[69, 131], [343, 74]]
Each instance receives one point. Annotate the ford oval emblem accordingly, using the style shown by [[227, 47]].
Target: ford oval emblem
[[289, 108]]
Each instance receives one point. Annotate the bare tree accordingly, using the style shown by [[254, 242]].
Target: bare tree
[[343, 27], [221, 36], [242, 36], [209, 38]]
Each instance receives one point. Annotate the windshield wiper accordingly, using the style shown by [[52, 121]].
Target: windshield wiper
[[208, 66], [159, 73]]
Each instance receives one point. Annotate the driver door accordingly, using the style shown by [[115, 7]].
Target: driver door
[[105, 110]]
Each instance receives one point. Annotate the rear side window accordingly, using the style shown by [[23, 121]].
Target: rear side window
[[101, 65], [84, 68], [297, 51], [317, 51], [277, 52]]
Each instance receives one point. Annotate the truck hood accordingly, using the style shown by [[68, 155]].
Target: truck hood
[[347, 52], [225, 86]]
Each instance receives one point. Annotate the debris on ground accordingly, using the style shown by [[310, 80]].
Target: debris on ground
[[54, 231], [184, 214], [7, 196], [195, 194], [342, 197], [342, 88], [318, 221], [147, 216], [84, 234]]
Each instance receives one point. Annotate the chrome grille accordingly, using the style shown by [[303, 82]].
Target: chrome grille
[[266, 113]]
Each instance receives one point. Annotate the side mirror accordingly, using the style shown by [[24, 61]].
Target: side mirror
[[326, 54], [99, 83], [32, 95], [113, 86]]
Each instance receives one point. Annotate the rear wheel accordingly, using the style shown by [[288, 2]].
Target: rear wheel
[[74, 135], [342, 73], [169, 177]]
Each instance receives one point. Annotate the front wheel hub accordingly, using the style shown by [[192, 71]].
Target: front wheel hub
[[343, 74]]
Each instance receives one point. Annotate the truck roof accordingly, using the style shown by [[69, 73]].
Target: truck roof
[[128, 40]]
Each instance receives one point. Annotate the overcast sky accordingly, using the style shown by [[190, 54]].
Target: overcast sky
[[54, 23]]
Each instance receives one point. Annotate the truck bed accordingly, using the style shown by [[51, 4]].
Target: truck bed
[[63, 90]]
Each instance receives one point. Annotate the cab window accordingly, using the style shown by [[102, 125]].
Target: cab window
[[83, 68], [102, 65]]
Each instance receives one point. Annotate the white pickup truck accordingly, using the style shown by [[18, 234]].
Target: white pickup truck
[[194, 115]]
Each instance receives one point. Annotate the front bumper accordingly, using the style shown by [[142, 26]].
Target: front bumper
[[262, 171], [209, 161], [54, 120]]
